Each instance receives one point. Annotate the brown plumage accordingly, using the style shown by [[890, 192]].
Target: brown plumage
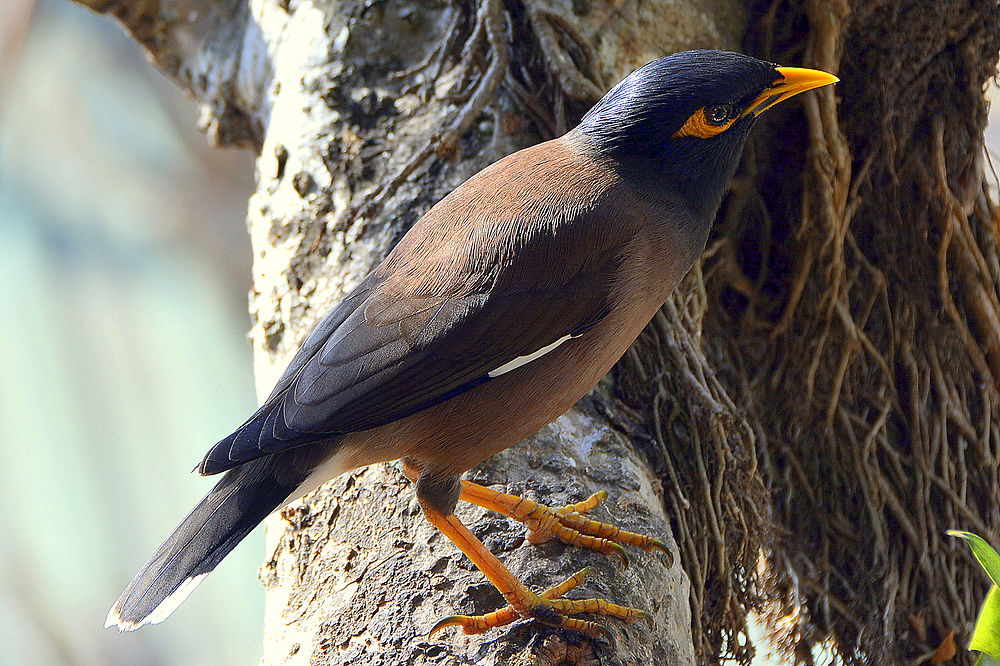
[[454, 304], [611, 273], [495, 313]]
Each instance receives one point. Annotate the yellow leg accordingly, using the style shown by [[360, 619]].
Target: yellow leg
[[566, 523], [549, 607]]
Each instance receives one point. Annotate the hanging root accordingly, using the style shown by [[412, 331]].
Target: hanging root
[[488, 18], [868, 348], [490, 22], [557, 58], [704, 448]]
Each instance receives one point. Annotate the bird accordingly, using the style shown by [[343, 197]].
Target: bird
[[500, 308]]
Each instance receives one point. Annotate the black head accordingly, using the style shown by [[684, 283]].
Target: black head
[[680, 122]]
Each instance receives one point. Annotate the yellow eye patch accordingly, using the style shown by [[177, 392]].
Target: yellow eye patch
[[708, 121]]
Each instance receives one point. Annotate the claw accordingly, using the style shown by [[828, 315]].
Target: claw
[[568, 523], [450, 621], [656, 544]]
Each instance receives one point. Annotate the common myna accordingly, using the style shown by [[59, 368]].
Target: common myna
[[501, 308]]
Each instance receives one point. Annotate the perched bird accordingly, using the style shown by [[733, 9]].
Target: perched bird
[[501, 308]]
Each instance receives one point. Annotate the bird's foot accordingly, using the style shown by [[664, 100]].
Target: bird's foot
[[550, 607], [567, 523]]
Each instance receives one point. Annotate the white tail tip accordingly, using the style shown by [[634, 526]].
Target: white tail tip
[[158, 614]]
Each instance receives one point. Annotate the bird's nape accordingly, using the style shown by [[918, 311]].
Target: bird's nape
[[679, 123]]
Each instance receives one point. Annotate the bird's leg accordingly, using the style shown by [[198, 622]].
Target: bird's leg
[[438, 497], [566, 523]]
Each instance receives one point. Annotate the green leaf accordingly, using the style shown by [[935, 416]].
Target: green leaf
[[986, 635], [988, 558]]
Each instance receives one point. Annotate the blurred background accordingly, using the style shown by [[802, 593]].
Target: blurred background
[[124, 268]]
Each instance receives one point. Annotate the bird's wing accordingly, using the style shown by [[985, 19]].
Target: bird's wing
[[401, 354], [393, 355], [447, 311]]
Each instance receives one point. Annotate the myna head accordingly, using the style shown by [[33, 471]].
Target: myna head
[[678, 124]]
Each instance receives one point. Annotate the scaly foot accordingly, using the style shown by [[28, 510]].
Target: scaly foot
[[569, 524], [566, 523], [550, 607]]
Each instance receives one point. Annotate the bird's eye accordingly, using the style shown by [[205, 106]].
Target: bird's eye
[[709, 121], [718, 114]]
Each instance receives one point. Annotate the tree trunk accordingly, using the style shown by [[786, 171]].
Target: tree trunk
[[812, 394]]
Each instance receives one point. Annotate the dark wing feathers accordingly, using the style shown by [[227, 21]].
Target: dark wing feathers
[[462, 339], [321, 333], [440, 313], [263, 431], [365, 375]]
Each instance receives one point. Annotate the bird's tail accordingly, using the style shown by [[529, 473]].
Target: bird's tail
[[237, 503]]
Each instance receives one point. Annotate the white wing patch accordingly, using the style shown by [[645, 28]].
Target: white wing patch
[[524, 360]]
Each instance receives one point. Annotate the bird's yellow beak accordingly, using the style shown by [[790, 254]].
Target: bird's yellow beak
[[793, 81]]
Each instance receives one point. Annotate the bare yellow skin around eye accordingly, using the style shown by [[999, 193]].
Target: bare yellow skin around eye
[[698, 126]]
